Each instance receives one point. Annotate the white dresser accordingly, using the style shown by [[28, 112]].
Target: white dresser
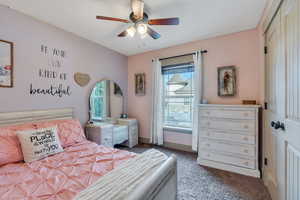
[[133, 132], [229, 138]]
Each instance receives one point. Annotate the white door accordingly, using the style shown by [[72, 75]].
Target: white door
[[275, 76], [282, 118]]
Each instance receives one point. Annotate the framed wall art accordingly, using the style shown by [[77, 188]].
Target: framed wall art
[[227, 81], [140, 84], [6, 64]]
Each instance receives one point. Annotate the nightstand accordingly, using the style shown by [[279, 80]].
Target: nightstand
[[100, 133], [133, 133]]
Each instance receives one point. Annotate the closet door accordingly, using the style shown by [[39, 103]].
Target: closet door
[[282, 127], [275, 97]]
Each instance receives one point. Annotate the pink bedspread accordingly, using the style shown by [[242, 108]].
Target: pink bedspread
[[61, 176]]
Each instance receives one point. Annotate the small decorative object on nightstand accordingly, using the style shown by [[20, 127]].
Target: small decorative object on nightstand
[[133, 135]]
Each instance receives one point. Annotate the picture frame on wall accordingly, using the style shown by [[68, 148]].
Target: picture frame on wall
[[227, 81], [117, 90], [140, 84], [6, 64]]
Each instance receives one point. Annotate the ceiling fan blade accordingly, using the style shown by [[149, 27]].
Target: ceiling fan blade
[[112, 19], [165, 21], [123, 34], [138, 8], [155, 35]]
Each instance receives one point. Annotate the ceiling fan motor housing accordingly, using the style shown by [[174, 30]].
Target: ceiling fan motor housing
[[135, 20]]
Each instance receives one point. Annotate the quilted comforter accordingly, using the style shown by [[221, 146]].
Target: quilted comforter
[[61, 176]]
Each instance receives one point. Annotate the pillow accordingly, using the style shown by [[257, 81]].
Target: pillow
[[70, 131], [10, 148], [39, 143]]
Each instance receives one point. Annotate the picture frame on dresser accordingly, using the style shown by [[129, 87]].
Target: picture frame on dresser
[[6, 64]]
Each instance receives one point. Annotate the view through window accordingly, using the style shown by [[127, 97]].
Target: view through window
[[178, 96]]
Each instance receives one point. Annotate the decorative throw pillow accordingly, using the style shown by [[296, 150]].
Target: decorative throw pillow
[[10, 148], [69, 131], [39, 143]]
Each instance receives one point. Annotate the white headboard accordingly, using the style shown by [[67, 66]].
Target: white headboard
[[11, 118]]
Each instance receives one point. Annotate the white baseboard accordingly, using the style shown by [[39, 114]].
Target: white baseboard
[[170, 145], [271, 183]]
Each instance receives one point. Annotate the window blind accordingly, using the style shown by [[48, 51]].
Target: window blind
[[179, 60], [177, 69]]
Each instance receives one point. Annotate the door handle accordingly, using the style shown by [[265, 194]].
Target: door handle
[[278, 125], [273, 124]]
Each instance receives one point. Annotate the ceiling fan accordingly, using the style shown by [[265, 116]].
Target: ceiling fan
[[141, 21]]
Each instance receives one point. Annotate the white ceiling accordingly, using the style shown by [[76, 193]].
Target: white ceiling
[[199, 19]]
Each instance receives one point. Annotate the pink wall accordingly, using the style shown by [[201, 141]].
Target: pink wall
[[82, 56], [239, 49]]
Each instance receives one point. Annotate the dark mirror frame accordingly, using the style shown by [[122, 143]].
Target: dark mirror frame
[[12, 64]]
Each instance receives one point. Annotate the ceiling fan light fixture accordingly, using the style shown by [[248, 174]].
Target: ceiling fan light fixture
[[131, 31], [142, 28]]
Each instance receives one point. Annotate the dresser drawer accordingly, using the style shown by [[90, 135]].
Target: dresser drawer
[[235, 125], [231, 160], [228, 114], [239, 137], [247, 150]]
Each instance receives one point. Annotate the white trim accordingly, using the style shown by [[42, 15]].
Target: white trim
[[178, 129]]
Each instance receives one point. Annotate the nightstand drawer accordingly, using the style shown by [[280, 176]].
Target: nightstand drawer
[[107, 142]]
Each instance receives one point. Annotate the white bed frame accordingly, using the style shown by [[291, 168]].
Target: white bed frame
[[161, 185]]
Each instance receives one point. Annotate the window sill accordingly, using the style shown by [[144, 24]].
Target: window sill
[[178, 129]]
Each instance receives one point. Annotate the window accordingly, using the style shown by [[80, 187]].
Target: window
[[178, 96], [98, 101]]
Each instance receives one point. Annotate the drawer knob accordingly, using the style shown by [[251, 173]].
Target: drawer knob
[[246, 163], [208, 145], [246, 114], [246, 139], [246, 151], [246, 126]]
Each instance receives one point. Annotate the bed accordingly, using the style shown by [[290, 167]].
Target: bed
[[64, 175]]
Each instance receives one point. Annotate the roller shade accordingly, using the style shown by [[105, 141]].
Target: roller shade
[[177, 69], [180, 60]]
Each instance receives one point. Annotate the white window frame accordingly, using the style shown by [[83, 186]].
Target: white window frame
[[181, 129]]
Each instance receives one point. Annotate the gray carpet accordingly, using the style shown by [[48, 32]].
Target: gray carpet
[[200, 183]]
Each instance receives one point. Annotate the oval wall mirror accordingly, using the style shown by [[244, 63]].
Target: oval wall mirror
[[106, 101]]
